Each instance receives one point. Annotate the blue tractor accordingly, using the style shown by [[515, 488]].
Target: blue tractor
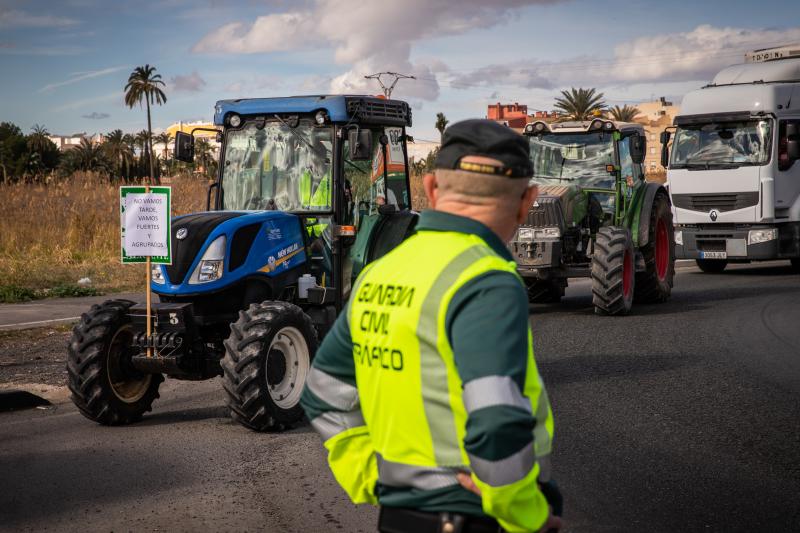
[[310, 189]]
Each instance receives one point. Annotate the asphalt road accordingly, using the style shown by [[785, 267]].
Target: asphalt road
[[53, 311], [684, 416]]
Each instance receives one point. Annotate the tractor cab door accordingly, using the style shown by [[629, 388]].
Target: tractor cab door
[[381, 200]]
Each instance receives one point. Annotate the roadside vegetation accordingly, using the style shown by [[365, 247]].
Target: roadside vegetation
[[55, 234]]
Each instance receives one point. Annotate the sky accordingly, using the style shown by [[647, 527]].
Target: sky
[[65, 63]]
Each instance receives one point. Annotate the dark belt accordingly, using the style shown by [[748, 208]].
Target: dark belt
[[401, 520]]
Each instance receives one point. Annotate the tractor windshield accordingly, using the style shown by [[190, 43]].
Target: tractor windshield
[[573, 158], [278, 166], [722, 144]]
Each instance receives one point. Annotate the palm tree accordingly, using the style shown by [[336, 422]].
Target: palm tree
[[88, 156], [202, 151], [164, 138], [624, 114], [580, 104], [39, 140], [118, 150], [441, 123], [144, 84]]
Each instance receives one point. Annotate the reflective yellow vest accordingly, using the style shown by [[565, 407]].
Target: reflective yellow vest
[[412, 400]]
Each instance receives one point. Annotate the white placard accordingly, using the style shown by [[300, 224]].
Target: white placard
[[146, 224]]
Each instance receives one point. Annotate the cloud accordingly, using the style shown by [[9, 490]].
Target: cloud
[[81, 76], [13, 18], [188, 82], [367, 36], [84, 102], [94, 115], [672, 57]]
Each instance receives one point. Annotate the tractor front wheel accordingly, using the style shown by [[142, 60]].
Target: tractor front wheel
[[712, 266], [655, 283], [105, 386], [613, 271], [267, 360]]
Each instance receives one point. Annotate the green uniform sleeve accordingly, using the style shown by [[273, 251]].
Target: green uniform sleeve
[[330, 400], [487, 325]]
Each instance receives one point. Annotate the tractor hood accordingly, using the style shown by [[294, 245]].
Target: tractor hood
[[557, 205], [254, 241]]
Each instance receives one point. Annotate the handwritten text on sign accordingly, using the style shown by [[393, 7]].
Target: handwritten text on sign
[[146, 225]]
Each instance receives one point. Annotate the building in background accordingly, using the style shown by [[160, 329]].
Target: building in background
[[655, 116], [187, 127], [67, 142], [512, 115]]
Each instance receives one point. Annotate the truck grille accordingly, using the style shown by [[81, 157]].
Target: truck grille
[[721, 202], [546, 212]]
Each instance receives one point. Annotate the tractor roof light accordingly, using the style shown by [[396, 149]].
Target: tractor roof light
[[321, 117], [608, 126], [596, 125], [234, 120], [536, 127]]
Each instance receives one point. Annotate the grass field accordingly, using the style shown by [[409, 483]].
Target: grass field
[[54, 235]]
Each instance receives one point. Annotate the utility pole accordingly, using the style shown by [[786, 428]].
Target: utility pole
[[387, 91]]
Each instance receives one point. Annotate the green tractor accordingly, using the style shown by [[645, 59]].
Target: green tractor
[[595, 217]]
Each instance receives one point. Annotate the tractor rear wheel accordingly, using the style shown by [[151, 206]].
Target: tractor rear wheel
[[712, 266], [655, 283], [544, 291], [267, 359], [613, 271], [105, 387]]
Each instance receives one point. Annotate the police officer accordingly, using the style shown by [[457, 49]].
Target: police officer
[[426, 392]]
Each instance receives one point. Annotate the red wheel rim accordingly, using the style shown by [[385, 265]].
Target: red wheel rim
[[662, 250], [627, 274]]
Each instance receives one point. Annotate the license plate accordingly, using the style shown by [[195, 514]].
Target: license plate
[[713, 255]]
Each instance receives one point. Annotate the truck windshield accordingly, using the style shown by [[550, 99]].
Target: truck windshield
[[722, 144], [573, 157], [278, 167]]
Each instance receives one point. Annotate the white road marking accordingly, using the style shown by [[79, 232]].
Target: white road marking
[[39, 322]]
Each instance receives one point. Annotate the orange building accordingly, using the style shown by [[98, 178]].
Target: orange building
[[512, 115]]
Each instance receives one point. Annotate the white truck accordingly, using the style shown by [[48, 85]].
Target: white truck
[[733, 172]]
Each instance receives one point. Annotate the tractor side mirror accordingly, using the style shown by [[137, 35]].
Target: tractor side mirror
[[638, 148], [184, 147], [360, 142], [665, 137]]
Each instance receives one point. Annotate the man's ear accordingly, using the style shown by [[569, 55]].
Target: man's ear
[[525, 204], [431, 189]]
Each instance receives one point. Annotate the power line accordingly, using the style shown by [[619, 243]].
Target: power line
[[387, 91]]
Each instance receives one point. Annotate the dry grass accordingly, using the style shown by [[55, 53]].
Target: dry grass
[[56, 234]]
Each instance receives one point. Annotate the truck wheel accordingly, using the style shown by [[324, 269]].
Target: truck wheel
[[655, 283], [613, 271], [712, 266], [543, 292], [267, 359], [105, 386]]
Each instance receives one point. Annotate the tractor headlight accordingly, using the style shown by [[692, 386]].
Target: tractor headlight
[[755, 236], [211, 265], [156, 275], [679, 237], [525, 234], [235, 121]]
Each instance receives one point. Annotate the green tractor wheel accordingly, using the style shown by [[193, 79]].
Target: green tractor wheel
[[655, 283], [613, 271]]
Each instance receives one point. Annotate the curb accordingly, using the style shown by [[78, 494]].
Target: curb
[[12, 400]]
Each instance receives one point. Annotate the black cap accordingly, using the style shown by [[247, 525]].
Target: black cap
[[480, 137]]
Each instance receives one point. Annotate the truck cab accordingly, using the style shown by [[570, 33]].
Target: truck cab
[[733, 172]]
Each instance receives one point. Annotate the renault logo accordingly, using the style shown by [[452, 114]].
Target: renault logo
[[183, 232], [712, 215]]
